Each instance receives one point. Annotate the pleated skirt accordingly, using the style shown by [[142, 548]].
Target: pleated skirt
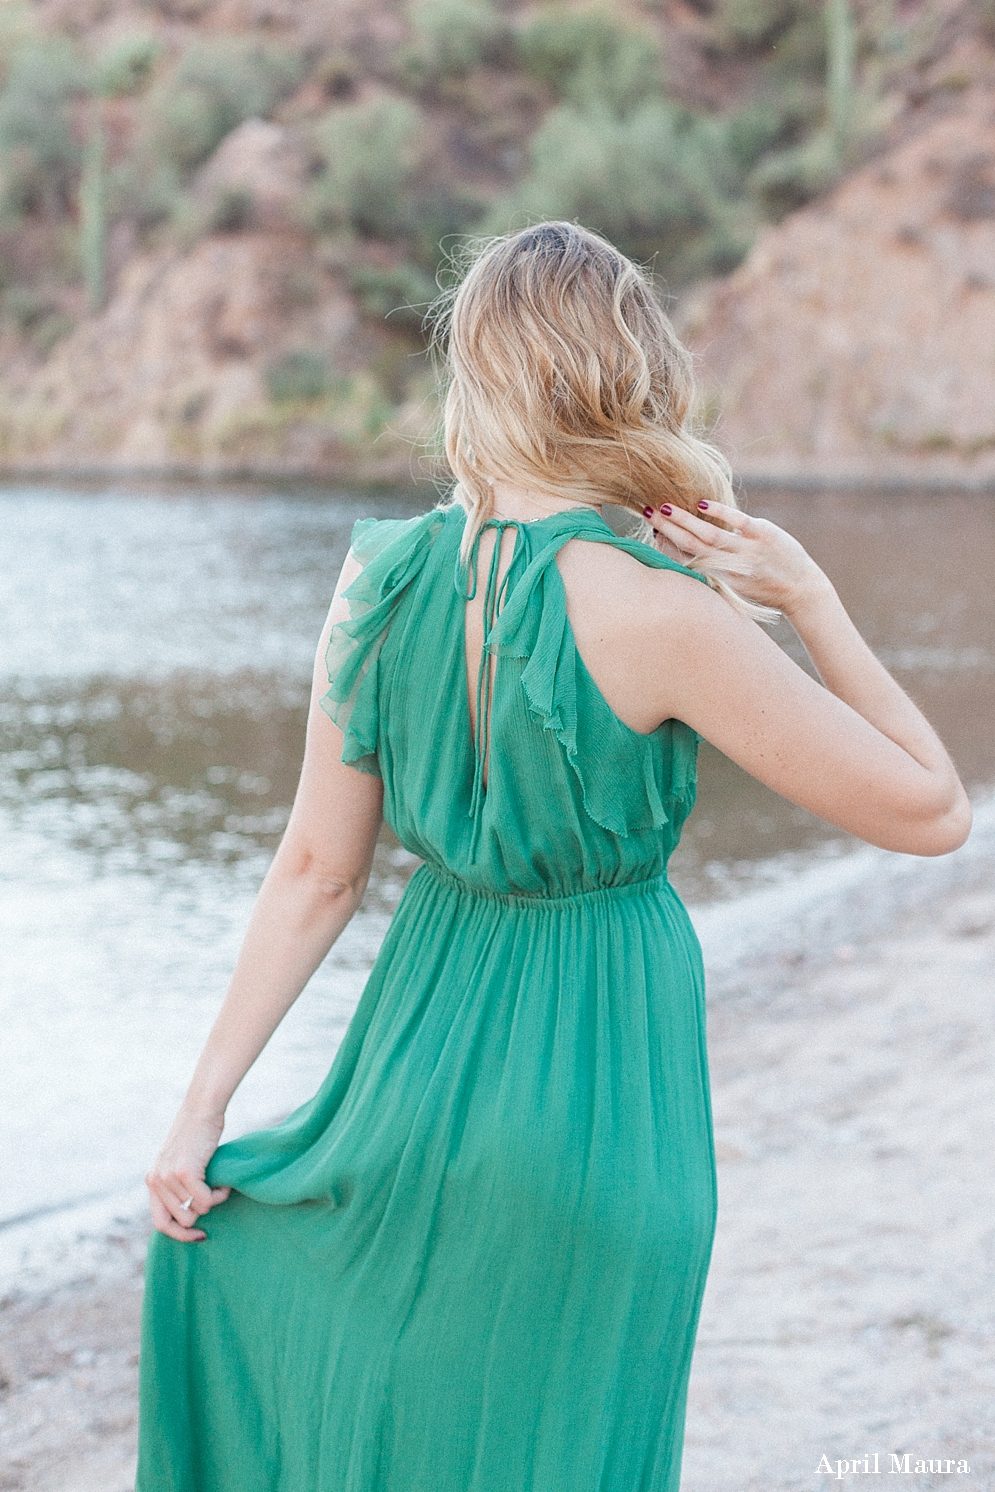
[[474, 1261]]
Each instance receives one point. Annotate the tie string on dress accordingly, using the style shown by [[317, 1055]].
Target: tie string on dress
[[495, 593]]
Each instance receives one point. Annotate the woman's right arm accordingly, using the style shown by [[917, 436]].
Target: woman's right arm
[[854, 750], [310, 892]]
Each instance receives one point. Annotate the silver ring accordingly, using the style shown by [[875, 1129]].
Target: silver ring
[[185, 1206]]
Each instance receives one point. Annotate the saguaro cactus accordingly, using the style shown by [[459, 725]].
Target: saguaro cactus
[[93, 208], [123, 68], [841, 68]]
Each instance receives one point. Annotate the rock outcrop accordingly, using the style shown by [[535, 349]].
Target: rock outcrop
[[856, 343], [175, 374]]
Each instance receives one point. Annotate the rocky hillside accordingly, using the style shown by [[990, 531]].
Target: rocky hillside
[[245, 351], [857, 341], [220, 220]]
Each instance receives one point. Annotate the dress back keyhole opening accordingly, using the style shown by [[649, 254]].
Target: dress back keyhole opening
[[477, 624]]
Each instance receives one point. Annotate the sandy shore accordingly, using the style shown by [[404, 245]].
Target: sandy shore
[[850, 1305]]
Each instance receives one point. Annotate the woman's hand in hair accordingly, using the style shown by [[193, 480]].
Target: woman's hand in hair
[[761, 562], [854, 749]]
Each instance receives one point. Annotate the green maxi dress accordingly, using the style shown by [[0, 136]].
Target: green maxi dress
[[474, 1261]]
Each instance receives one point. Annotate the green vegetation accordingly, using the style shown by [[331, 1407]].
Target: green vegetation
[[39, 152], [588, 57], [680, 186], [126, 66], [211, 89], [298, 377], [752, 25], [35, 316], [482, 115], [122, 70], [401, 294], [841, 71], [452, 38], [368, 154], [615, 153], [93, 211], [657, 182]]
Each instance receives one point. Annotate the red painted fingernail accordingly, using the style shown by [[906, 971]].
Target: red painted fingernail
[[703, 505], [647, 512], [666, 509]]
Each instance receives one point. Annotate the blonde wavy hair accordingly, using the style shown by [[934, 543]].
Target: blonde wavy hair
[[564, 374]]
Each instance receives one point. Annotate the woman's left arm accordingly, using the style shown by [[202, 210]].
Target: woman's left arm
[[311, 890]]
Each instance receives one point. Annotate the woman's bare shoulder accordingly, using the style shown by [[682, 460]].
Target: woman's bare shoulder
[[635, 626], [613, 587]]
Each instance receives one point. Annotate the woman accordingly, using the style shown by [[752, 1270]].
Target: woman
[[474, 1261]]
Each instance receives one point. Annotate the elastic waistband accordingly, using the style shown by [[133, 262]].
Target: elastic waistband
[[540, 903]]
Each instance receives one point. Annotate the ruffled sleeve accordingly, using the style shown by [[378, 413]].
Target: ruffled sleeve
[[630, 783], [392, 553]]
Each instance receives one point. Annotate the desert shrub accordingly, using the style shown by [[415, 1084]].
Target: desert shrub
[[657, 183], [450, 38], [145, 188], [298, 377], [762, 126], [798, 54], [790, 35], [213, 88], [750, 24], [186, 125], [231, 210], [586, 56], [36, 316], [50, 330], [126, 66], [401, 293], [16, 27], [180, 10], [39, 154], [787, 179], [368, 153], [25, 306], [336, 75], [247, 78], [443, 213]]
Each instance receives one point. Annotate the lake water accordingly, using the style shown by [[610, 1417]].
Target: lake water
[[155, 655]]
